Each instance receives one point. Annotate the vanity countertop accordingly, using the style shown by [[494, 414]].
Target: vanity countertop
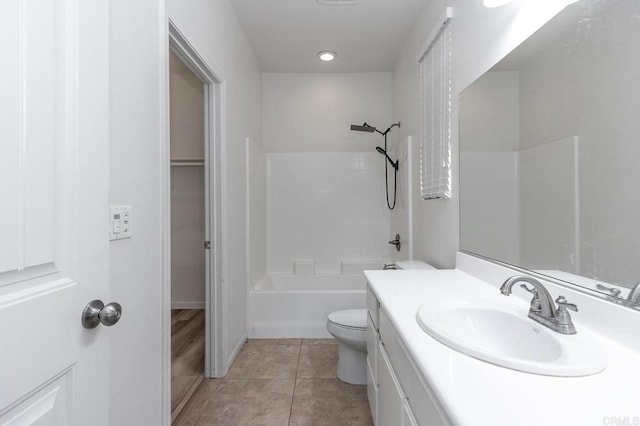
[[474, 392]]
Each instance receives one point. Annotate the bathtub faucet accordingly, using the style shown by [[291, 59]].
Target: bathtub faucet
[[396, 242]]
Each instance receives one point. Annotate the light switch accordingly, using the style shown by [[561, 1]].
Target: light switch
[[119, 222]]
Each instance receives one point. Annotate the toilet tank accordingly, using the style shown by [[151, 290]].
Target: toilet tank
[[413, 264]]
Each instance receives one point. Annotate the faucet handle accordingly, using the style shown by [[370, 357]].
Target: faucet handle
[[534, 306], [634, 294], [562, 304], [611, 290], [562, 318]]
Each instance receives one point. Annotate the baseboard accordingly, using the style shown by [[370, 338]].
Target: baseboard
[[234, 354], [290, 330], [187, 305], [183, 402]]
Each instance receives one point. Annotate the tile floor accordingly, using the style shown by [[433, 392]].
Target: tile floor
[[280, 382]]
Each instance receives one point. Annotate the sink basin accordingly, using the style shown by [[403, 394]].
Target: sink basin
[[503, 335]]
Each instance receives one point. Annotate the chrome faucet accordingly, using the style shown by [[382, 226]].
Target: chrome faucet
[[634, 294], [542, 308]]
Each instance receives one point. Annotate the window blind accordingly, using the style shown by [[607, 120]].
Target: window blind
[[435, 112]]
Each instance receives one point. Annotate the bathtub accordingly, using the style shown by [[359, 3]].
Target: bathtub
[[289, 305]]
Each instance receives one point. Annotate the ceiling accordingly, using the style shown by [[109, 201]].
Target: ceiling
[[368, 36]]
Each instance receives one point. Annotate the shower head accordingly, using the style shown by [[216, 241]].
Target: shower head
[[383, 152], [364, 128], [370, 129]]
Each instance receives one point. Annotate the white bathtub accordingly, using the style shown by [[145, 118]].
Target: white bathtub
[[288, 305]]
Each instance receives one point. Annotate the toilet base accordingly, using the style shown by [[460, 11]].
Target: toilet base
[[352, 365]]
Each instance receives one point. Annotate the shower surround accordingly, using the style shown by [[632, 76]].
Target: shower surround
[[325, 208], [327, 220]]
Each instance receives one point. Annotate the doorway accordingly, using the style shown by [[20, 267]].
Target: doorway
[[188, 257], [193, 225]]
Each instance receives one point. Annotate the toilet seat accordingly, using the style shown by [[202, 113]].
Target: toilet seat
[[355, 319]]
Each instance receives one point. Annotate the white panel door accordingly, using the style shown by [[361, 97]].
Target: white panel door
[[54, 146]]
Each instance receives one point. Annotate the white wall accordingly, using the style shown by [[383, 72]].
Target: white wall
[[136, 79], [481, 36], [213, 30], [186, 105], [313, 112], [138, 31], [187, 237], [186, 120]]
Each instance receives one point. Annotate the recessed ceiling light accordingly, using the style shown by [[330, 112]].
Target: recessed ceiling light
[[326, 55]]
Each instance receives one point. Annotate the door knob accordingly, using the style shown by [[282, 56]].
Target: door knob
[[96, 313]]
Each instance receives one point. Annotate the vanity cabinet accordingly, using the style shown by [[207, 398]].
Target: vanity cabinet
[[373, 337], [398, 395]]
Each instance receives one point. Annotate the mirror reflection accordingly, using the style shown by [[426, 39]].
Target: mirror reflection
[[550, 151]]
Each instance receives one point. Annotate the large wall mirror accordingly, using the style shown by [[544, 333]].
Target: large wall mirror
[[550, 152]]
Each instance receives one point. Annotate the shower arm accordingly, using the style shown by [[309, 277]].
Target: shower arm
[[389, 129]]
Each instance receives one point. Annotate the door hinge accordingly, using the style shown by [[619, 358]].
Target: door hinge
[[207, 245]]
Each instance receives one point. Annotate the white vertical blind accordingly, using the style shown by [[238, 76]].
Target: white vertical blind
[[435, 113]]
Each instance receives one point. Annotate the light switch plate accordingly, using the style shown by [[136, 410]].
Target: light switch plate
[[119, 222]]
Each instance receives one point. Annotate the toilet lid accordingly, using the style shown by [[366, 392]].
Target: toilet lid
[[356, 318]]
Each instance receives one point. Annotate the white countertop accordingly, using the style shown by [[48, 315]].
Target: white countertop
[[473, 392]]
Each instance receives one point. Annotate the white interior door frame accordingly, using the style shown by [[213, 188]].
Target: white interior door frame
[[214, 98]]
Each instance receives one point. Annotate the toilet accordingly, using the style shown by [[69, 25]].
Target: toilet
[[350, 330], [413, 264]]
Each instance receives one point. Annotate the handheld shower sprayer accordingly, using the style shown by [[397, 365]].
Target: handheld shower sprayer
[[370, 129], [383, 152]]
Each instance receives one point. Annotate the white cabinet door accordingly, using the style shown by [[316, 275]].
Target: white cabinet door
[[390, 396], [408, 418], [54, 130], [372, 368]]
